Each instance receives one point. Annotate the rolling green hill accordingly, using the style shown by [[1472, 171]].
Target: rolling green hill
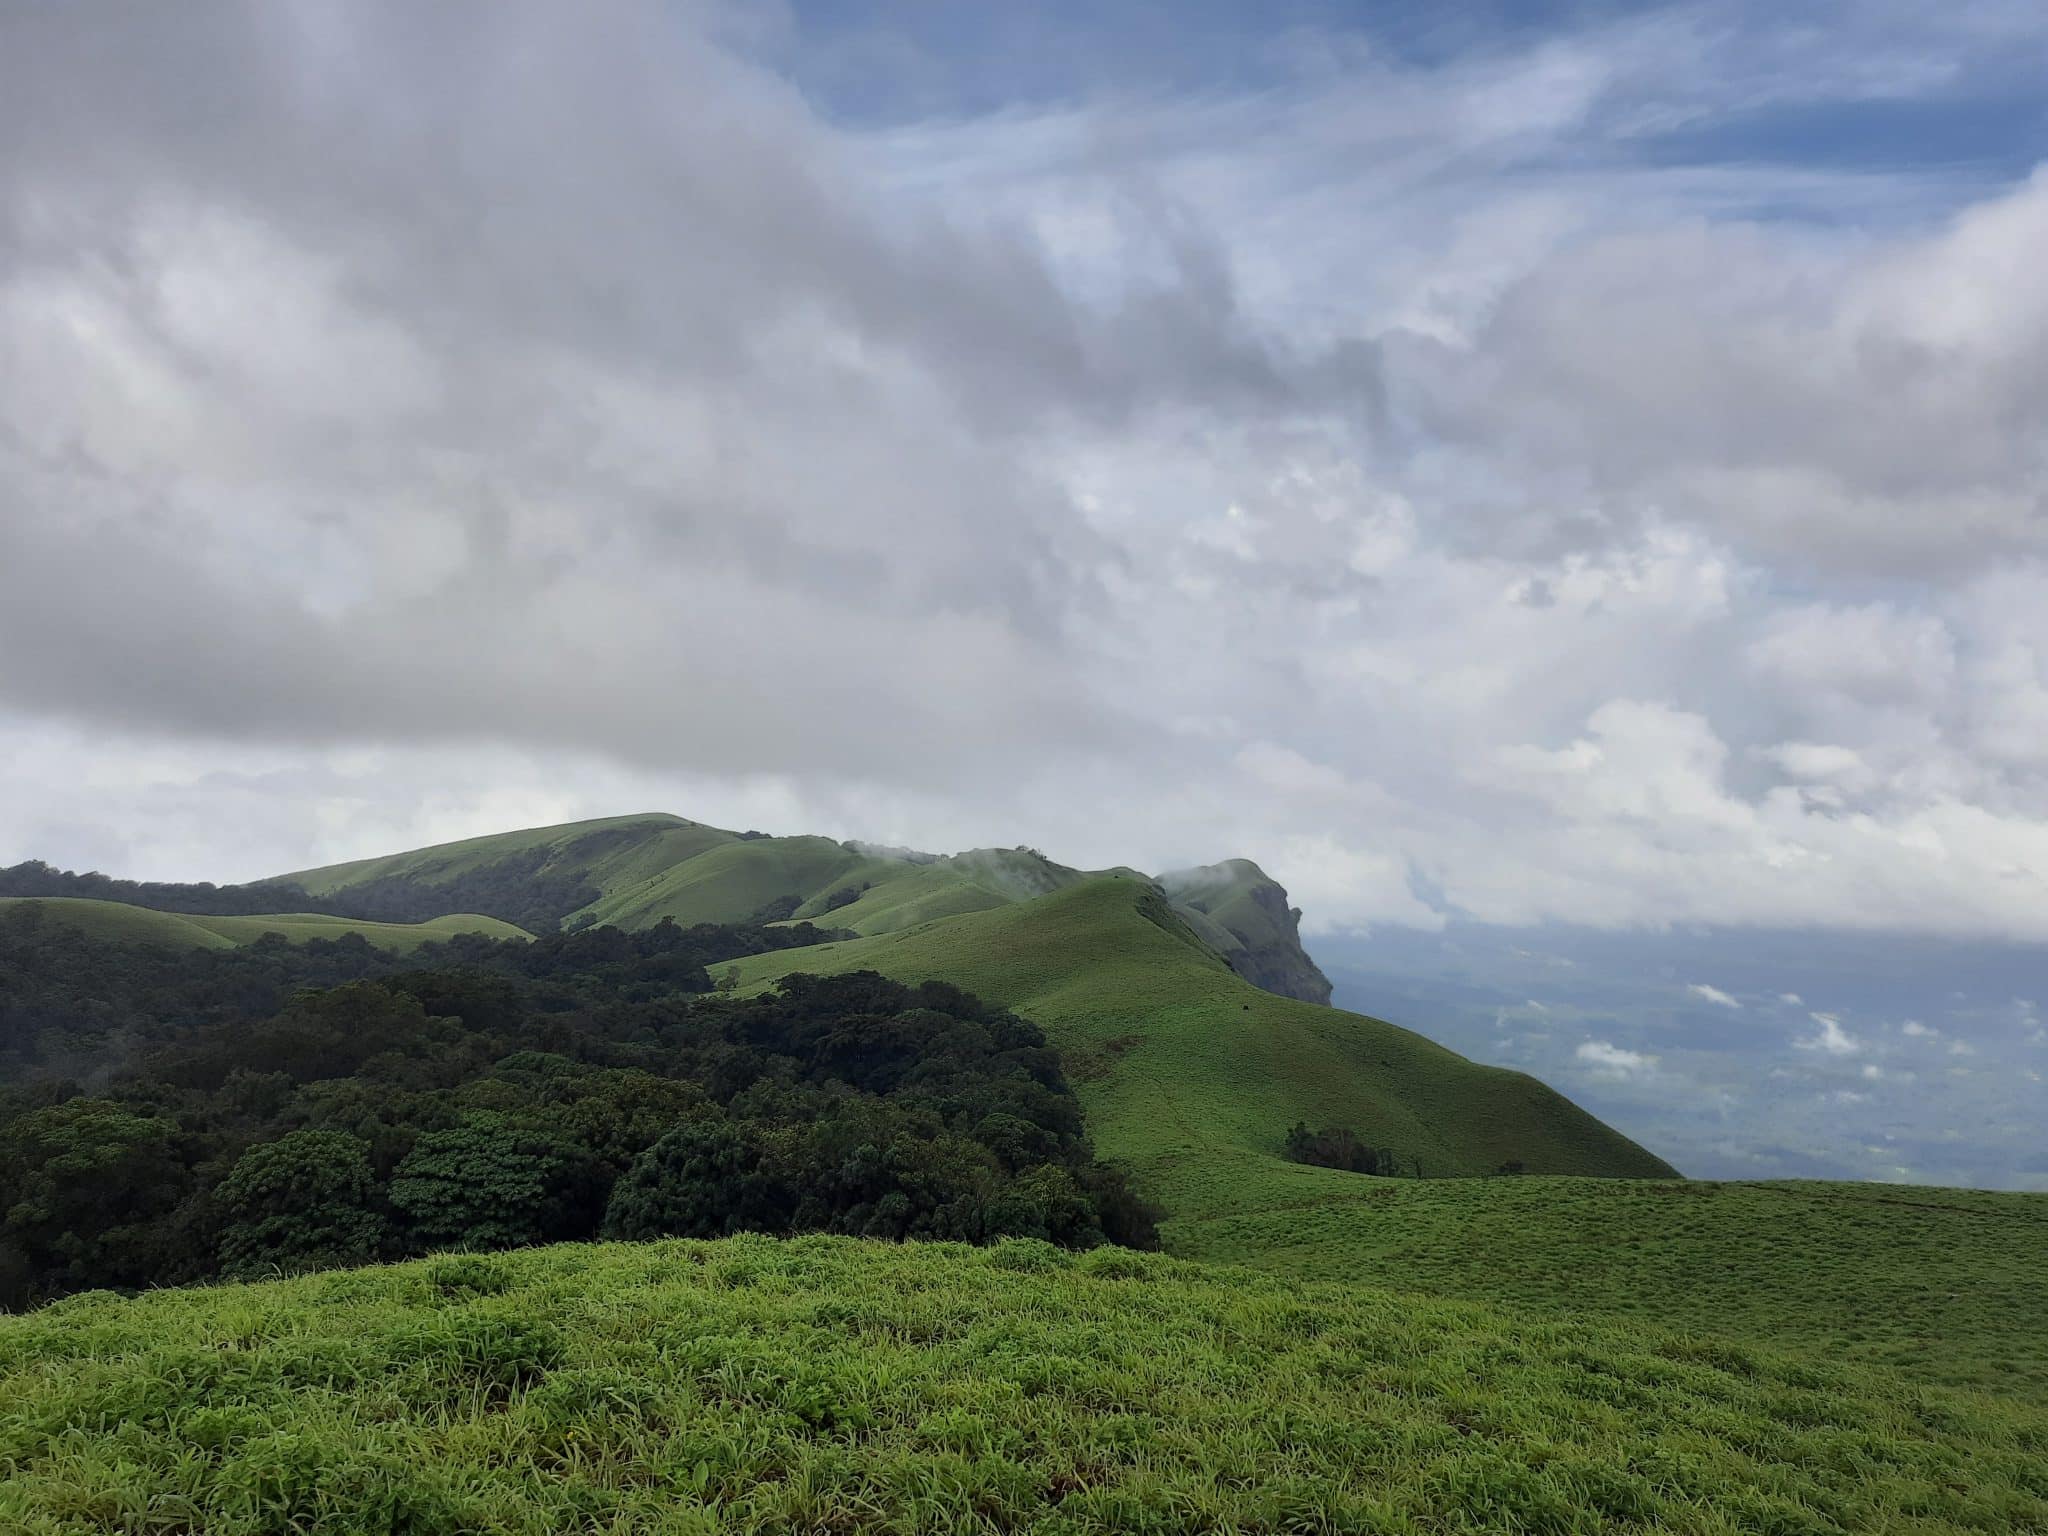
[[633, 871], [1194, 1075], [612, 851], [827, 1384], [141, 925]]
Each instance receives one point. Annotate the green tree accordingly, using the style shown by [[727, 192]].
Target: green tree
[[1045, 1202], [492, 1182], [85, 1190], [703, 1179], [306, 1201]]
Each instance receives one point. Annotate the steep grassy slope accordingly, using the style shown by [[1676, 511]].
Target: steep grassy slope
[[1950, 1284], [141, 925], [1194, 1075], [831, 1385], [633, 871]]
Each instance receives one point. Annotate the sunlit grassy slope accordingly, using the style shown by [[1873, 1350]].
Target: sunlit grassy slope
[[142, 925], [1194, 1075], [829, 1385]]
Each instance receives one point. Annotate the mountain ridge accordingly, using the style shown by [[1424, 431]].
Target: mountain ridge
[[1193, 1022], [632, 871]]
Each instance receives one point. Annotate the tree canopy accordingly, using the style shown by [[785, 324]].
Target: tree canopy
[[167, 1116]]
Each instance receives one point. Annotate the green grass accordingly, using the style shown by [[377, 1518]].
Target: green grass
[[1951, 1285], [664, 840], [1193, 1075], [733, 881], [142, 925], [921, 896], [829, 1385]]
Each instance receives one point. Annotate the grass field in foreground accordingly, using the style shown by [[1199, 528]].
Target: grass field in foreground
[[826, 1384], [143, 925]]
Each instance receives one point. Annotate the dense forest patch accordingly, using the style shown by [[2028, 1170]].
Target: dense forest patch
[[176, 1115]]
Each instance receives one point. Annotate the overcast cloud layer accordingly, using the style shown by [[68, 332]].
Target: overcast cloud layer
[[1588, 473]]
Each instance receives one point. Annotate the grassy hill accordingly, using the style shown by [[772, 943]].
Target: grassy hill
[[657, 839], [1194, 1075], [833, 1385], [633, 871], [142, 925], [1554, 1353]]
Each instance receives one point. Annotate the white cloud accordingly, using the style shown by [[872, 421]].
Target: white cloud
[[1609, 1060], [1833, 1040], [1914, 1029], [1712, 994], [1872, 653]]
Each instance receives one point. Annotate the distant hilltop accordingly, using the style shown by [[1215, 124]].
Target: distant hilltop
[[633, 871]]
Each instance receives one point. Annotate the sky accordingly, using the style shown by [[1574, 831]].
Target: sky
[[1502, 466]]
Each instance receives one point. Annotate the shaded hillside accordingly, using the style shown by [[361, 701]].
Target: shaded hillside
[[837, 1385], [633, 871], [143, 925], [1194, 1075]]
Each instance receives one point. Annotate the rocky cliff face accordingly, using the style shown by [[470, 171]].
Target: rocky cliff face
[[1242, 913]]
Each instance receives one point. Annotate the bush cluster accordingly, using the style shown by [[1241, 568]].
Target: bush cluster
[[1338, 1147]]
